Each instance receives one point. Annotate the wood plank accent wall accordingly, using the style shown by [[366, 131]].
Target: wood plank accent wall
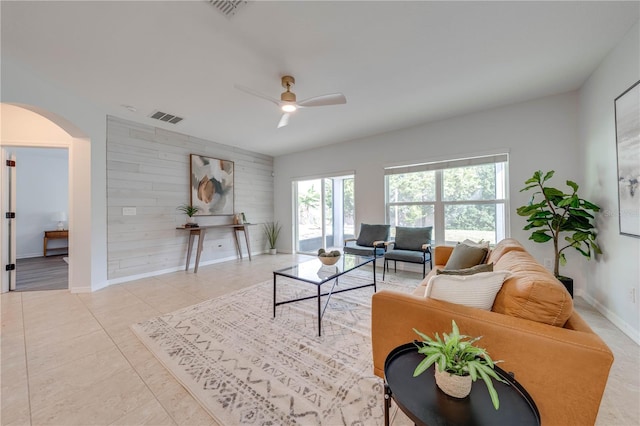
[[148, 168]]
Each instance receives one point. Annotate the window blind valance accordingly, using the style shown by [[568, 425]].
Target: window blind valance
[[449, 164]]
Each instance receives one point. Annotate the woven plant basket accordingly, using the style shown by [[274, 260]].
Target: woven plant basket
[[452, 385]]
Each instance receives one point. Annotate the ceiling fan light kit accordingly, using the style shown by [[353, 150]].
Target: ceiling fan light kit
[[288, 102]]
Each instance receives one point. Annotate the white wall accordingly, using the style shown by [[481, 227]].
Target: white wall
[[21, 85], [611, 280], [35, 127], [42, 190], [538, 134]]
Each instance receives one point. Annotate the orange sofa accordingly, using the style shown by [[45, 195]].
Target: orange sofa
[[532, 326]]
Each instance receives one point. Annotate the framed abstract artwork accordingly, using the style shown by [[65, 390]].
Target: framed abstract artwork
[[211, 185], [627, 117]]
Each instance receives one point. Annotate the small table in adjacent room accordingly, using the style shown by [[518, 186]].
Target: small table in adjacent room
[[425, 404], [55, 235]]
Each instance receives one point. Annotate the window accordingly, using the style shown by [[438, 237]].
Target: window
[[461, 198]]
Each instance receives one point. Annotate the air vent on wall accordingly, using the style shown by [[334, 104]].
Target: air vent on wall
[[169, 118], [228, 7]]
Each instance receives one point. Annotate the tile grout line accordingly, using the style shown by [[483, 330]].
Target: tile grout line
[[130, 364], [26, 357]]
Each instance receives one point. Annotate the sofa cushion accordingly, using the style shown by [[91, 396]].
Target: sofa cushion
[[465, 256], [476, 291], [370, 233], [483, 267], [504, 246], [531, 292]]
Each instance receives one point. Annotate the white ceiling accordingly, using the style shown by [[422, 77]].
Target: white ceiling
[[398, 63]]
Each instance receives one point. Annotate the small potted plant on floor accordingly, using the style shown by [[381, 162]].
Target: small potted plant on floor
[[458, 363], [272, 231], [190, 211], [553, 213]]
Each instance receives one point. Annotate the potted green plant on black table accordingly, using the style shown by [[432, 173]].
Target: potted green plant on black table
[[458, 363], [552, 213]]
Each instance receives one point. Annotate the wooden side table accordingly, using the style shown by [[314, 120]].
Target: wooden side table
[[55, 235], [425, 404]]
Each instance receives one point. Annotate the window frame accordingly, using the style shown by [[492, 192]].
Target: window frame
[[439, 205]]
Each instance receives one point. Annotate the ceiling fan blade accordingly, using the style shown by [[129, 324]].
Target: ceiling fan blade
[[258, 94], [323, 100], [284, 120]]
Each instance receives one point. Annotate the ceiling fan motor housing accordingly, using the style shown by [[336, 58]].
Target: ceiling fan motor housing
[[288, 96]]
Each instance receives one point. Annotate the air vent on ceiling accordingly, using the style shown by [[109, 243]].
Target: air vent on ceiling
[[169, 118], [228, 7]]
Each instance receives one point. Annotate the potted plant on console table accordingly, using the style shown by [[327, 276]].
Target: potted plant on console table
[[189, 210], [553, 213]]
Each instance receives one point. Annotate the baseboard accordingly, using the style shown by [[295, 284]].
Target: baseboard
[[615, 319], [29, 255], [81, 290], [167, 271]]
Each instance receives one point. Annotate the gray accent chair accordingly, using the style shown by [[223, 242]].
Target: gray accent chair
[[371, 241], [411, 245]]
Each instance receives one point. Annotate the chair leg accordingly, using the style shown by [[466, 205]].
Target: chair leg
[[395, 266], [384, 268]]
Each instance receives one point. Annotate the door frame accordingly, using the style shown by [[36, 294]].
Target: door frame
[[79, 151]]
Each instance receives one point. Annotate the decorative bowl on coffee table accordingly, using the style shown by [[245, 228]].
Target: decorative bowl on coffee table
[[329, 260]]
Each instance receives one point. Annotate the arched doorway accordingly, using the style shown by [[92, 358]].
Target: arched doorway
[[29, 126]]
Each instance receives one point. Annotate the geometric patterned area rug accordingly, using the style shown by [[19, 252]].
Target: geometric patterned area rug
[[246, 367]]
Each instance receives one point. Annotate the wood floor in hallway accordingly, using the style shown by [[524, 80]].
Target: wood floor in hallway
[[42, 273]]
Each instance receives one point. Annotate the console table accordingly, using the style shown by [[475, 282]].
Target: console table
[[54, 235], [200, 232]]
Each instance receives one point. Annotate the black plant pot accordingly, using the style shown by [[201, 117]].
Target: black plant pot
[[568, 283]]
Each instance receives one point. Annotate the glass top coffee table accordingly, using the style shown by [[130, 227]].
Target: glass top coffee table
[[315, 273]]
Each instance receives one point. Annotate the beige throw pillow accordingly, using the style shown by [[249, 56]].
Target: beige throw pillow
[[465, 256], [476, 291]]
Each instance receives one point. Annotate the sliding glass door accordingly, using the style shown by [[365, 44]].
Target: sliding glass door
[[324, 213]]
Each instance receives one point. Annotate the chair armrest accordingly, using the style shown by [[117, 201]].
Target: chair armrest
[[379, 243], [426, 248], [349, 239], [578, 361]]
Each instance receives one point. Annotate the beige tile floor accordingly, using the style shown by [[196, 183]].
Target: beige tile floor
[[72, 360]]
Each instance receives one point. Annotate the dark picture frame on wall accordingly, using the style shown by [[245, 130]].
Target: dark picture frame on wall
[[627, 119], [211, 185]]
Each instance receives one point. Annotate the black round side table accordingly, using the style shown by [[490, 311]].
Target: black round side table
[[425, 404]]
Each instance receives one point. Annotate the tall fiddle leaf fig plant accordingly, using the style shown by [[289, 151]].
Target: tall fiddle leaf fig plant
[[552, 214]]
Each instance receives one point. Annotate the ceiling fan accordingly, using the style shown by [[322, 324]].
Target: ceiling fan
[[287, 102]]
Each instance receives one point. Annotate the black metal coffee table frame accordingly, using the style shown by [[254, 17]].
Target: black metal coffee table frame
[[421, 400], [356, 262]]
